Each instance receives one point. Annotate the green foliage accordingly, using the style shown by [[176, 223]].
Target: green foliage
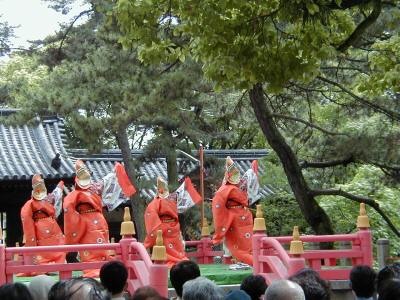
[[368, 181]]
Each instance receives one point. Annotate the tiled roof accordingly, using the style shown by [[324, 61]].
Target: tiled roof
[[29, 149]]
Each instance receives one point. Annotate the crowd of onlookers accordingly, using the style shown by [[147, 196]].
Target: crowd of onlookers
[[188, 283]]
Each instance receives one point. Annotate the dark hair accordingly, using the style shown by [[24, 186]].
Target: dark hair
[[387, 273], [314, 287], [15, 291], [254, 286], [146, 293], [65, 290], [113, 276], [181, 272], [362, 280], [391, 290]]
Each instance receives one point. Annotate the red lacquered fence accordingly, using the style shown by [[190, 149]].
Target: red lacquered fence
[[271, 258], [274, 261]]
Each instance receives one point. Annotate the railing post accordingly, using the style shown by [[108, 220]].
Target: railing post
[[3, 278], [127, 232], [259, 232], [365, 236], [383, 250], [296, 250], [206, 244], [159, 271]]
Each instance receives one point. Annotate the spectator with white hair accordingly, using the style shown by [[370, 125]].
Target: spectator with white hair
[[284, 290], [201, 288]]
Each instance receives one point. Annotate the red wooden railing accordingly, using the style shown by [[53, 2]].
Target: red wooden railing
[[204, 253], [274, 262], [141, 270]]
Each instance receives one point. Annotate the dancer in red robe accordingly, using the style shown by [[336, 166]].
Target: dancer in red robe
[[84, 222], [233, 221], [38, 216], [162, 214]]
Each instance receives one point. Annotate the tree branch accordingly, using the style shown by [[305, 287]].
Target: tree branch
[[390, 113], [327, 164], [370, 202], [362, 27], [308, 124], [70, 27]]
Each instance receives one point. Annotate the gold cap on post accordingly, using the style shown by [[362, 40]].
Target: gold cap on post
[[159, 251], [296, 245], [205, 230], [362, 219], [259, 221], [127, 227]]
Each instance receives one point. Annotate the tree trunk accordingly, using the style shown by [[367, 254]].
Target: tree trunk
[[172, 169], [138, 205], [313, 213]]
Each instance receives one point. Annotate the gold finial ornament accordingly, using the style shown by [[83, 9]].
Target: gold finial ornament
[[159, 251], [259, 221], [205, 230], [362, 219], [296, 245], [127, 227]]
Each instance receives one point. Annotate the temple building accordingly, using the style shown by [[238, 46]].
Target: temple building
[[30, 149]]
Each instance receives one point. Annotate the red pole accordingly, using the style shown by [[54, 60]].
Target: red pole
[[202, 184]]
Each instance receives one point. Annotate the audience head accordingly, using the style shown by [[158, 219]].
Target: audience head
[[113, 276], [254, 286], [237, 295], [14, 291], [146, 293], [40, 286], [284, 290], [391, 290], [181, 272], [78, 289], [387, 273], [314, 287], [362, 279], [201, 288]]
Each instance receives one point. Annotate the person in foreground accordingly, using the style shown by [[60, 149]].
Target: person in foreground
[[78, 289], [362, 281], [314, 287], [284, 290], [113, 276], [14, 291], [391, 290], [201, 288], [180, 273], [40, 286], [254, 286]]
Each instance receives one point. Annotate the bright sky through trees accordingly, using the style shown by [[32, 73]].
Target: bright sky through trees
[[34, 18]]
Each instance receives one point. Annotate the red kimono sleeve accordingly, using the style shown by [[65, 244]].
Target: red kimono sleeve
[[126, 185], [152, 222], [71, 219], [28, 224], [221, 216]]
